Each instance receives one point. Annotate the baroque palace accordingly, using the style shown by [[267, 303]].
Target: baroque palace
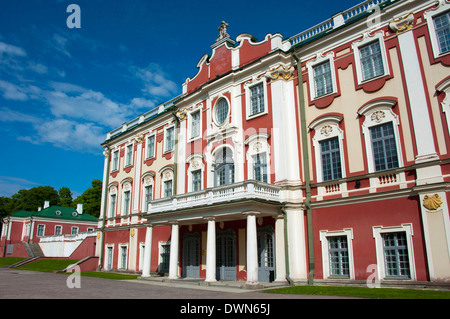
[[322, 156]]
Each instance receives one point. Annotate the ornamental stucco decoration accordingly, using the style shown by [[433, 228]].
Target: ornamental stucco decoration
[[402, 24], [281, 72], [432, 202], [378, 116]]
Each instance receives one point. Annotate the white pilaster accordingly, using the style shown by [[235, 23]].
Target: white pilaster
[[252, 250], [147, 252], [173, 264], [137, 177], [296, 243], [417, 98], [211, 251]]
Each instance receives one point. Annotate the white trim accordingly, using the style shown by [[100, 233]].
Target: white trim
[[377, 231], [324, 235], [445, 87], [367, 38], [255, 81], [226, 121], [257, 144], [147, 155], [130, 161], [195, 162], [195, 109], [320, 58], [119, 257], [429, 16]]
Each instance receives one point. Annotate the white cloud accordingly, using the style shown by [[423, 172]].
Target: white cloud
[[11, 91], [155, 81], [11, 185], [11, 49]]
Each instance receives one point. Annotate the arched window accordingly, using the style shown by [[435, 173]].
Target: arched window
[[224, 167]]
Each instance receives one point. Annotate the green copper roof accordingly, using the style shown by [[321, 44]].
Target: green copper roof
[[58, 212]]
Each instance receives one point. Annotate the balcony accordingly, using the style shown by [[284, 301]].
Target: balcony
[[249, 189]]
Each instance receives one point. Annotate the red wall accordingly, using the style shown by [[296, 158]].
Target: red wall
[[361, 218]]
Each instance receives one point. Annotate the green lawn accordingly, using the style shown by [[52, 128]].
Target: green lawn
[[48, 265], [363, 292], [109, 275], [8, 261]]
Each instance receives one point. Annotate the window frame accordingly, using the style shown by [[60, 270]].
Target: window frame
[[310, 65], [192, 126], [258, 145], [367, 40], [122, 264], [169, 145], [376, 113], [115, 161], [215, 108], [248, 86], [38, 230], [149, 154], [58, 227], [429, 16], [378, 232], [324, 236], [148, 180], [129, 150]]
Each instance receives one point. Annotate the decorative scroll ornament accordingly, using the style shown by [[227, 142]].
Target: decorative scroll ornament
[[432, 202], [132, 232], [378, 116], [139, 138], [326, 130], [281, 72], [402, 24]]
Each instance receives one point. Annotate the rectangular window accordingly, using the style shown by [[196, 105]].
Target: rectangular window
[[371, 60], [123, 257], [115, 161], [196, 180], [338, 254], [58, 230], [112, 205], [396, 255], [74, 230], [442, 28], [257, 99], [331, 159], [195, 128], [148, 192], [170, 139], [150, 146], [322, 79], [260, 167], [384, 147], [126, 202], [129, 156], [40, 230], [167, 188]]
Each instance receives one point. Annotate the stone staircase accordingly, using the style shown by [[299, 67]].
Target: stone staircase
[[33, 250]]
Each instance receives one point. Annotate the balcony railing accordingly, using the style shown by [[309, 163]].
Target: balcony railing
[[239, 191]]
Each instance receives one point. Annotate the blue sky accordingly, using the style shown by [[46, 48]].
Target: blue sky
[[62, 89]]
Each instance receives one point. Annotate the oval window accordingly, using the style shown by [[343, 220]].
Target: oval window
[[221, 111]]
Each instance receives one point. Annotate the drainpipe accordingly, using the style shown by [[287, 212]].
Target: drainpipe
[[104, 201], [6, 234], [286, 248], [305, 152]]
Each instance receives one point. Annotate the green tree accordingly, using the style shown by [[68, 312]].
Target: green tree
[[31, 199], [6, 204], [91, 199], [65, 197]]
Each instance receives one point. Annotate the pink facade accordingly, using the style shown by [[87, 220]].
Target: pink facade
[[250, 176]]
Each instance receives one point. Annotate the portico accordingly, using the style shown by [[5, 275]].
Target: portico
[[242, 240]]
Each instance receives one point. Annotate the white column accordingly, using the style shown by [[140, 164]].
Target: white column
[[296, 243], [147, 252], [252, 250], [173, 265], [211, 251], [280, 254]]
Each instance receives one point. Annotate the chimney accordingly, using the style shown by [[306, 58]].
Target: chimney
[[39, 209], [46, 204], [80, 208]]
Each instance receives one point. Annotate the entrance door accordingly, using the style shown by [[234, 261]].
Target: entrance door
[[226, 255], [191, 255], [266, 261]]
